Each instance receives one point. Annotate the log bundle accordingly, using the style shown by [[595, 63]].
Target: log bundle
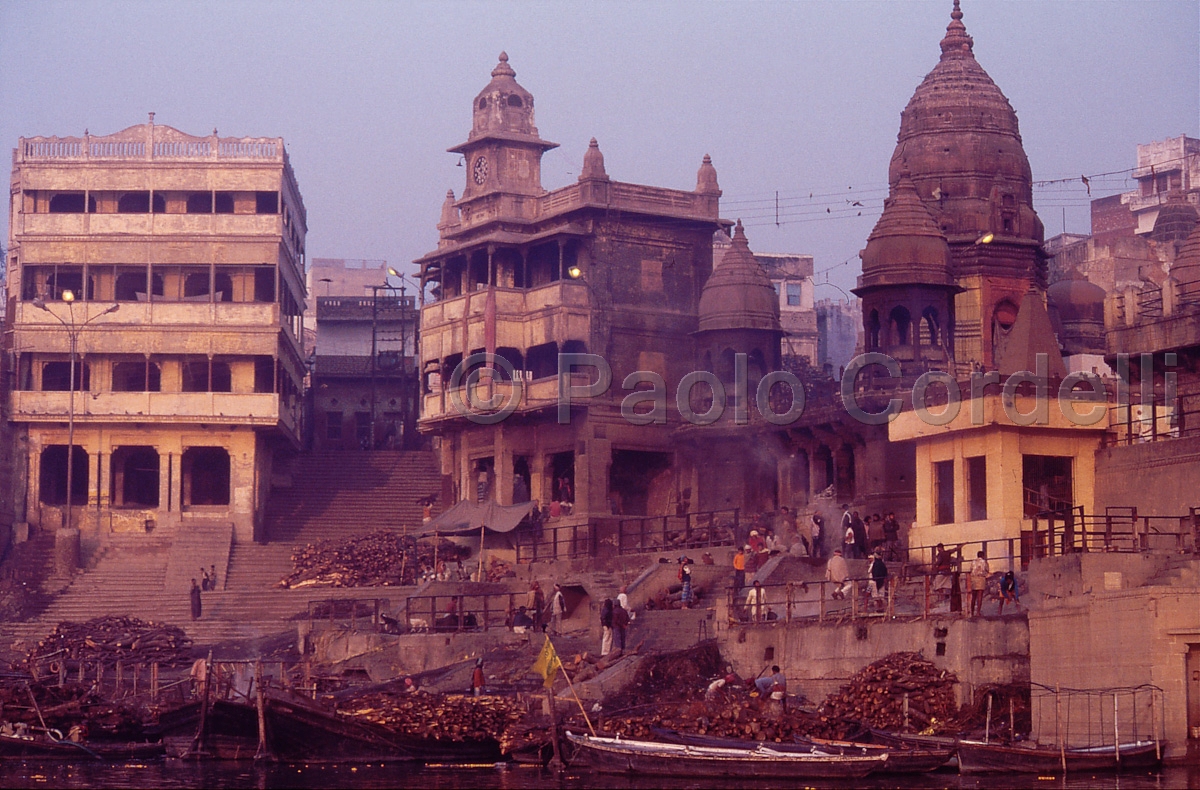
[[875, 695], [62, 707], [450, 717], [378, 559], [111, 639]]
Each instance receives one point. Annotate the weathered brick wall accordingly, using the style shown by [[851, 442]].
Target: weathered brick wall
[[1137, 476]]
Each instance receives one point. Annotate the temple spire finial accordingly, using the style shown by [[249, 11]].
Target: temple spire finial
[[502, 68], [956, 42]]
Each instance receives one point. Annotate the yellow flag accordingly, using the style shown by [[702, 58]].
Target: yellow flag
[[547, 664]]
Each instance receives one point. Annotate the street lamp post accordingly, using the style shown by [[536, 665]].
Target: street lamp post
[[73, 332]]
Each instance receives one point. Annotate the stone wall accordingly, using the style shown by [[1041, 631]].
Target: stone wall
[[1133, 476], [1119, 637], [818, 659]]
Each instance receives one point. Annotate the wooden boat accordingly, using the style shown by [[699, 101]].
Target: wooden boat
[[976, 757], [717, 742], [900, 759], [47, 748], [617, 755]]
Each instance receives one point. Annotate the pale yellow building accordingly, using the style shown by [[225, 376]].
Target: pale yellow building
[[982, 475], [177, 263]]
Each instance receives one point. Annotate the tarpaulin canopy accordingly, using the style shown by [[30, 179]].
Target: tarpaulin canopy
[[466, 517]]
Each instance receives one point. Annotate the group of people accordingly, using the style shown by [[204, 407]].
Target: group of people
[[862, 539], [538, 614], [615, 617], [946, 581], [837, 572]]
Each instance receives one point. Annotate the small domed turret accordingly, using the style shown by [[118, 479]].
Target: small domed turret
[[593, 164], [503, 105], [1080, 308], [738, 294], [706, 178]]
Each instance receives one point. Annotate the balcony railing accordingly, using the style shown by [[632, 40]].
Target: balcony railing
[[535, 394], [219, 408]]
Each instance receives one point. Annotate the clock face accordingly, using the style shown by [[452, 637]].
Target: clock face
[[480, 169]]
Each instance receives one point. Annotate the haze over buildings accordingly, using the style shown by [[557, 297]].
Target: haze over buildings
[[794, 98]]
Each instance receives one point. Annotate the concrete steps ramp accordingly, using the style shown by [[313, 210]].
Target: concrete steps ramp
[[347, 493], [671, 629]]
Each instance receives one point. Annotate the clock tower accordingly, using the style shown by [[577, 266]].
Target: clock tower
[[503, 153]]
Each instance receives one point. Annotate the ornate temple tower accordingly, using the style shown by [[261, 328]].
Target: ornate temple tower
[[503, 152], [960, 143], [907, 287]]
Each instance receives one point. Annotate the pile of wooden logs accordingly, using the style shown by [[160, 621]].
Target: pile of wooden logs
[[442, 717], [107, 640], [733, 714], [61, 707], [378, 559], [877, 694]]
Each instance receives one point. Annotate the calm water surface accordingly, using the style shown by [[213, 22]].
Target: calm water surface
[[176, 774]]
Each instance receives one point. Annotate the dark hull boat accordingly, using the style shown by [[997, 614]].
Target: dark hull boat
[[899, 759], [902, 759], [975, 757], [616, 755], [47, 748]]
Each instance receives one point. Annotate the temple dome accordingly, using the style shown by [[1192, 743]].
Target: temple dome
[[1176, 219], [906, 246], [1186, 268], [960, 141], [503, 108], [1077, 299], [738, 293]]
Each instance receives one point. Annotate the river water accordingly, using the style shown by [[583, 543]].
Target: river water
[[178, 774]]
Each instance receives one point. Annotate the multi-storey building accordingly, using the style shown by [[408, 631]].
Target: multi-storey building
[[156, 313], [363, 377], [524, 274]]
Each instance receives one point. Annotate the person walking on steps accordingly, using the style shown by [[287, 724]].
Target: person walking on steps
[[558, 608], [620, 623], [606, 627], [195, 598], [477, 678]]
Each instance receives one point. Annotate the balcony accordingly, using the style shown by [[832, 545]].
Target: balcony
[[158, 328], [217, 408], [150, 225], [524, 318], [536, 394]]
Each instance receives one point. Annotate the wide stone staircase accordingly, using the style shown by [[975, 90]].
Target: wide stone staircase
[[332, 495]]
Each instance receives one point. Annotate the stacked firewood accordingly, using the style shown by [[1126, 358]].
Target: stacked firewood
[[107, 640], [62, 707], [378, 559], [441, 717], [734, 714], [875, 695]]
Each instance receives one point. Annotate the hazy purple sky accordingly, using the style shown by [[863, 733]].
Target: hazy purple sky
[[800, 98]]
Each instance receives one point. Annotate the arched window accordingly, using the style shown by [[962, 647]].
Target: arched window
[[53, 476], [200, 203], [901, 324], [929, 327], [56, 377], [873, 331], [134, 203], [136, 376], [67, 203], [206, 475], [135, 473]]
